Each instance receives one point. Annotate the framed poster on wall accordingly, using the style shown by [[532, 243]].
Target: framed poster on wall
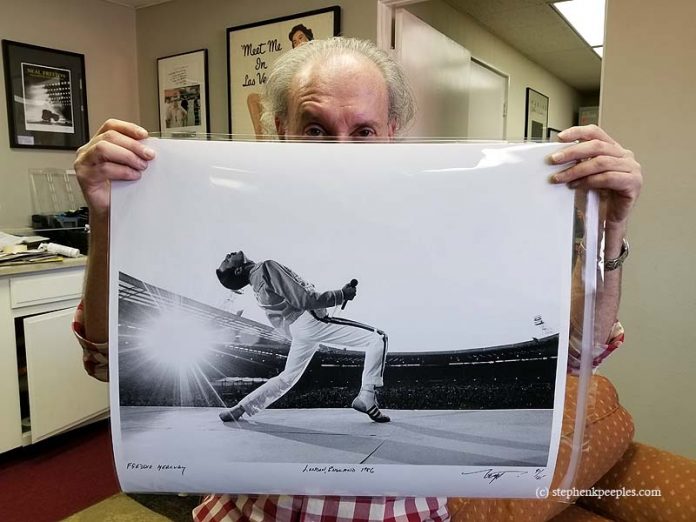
[[251, 51], [536, 115], [182, 85], [46, 97]]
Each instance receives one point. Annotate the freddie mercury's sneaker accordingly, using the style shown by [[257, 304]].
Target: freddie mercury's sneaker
[[233, 414], [369, 407]]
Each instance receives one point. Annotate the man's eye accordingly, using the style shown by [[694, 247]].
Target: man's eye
[[365, 133], [314, 132]]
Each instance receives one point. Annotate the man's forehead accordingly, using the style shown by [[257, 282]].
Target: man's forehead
[[330, 68], [343, 94]]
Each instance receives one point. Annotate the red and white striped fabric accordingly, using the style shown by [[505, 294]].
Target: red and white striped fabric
[[274, 508], [599, 351]]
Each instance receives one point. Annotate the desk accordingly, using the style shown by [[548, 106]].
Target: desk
[[41, 376]]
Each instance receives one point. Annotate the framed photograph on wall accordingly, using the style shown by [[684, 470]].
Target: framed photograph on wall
[[46, 97], [536, 115], [251, 51], [182, 85]]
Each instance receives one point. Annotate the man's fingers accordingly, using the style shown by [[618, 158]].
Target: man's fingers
[[107, 152], [114, 153], [107, 172], [584, 133], [123, 127], [128, 143], [593, 166], [114, 172], [617, 182], [588, 149]]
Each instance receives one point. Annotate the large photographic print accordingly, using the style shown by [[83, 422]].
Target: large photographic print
[[386, 319], [46, 97]]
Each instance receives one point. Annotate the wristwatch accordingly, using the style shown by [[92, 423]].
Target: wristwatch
[[613, 264]]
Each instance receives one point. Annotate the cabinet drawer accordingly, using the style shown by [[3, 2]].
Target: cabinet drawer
[[61, 394], [46, 288]]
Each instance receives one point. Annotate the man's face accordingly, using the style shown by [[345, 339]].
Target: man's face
[[343, 98], [233, 260], [298, 38], [231, 270]]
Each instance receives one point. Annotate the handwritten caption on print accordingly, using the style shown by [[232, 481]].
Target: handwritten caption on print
[[141, 466], [308, 468]]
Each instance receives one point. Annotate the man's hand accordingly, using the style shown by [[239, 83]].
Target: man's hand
[[601, 164], [349, 292], [114, 153]]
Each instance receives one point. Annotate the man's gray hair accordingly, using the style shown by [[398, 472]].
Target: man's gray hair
[[277, 89]]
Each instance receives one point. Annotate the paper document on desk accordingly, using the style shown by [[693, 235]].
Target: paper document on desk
[[462, 258], [9, 240]]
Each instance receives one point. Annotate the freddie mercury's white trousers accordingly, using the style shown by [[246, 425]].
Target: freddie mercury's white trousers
[[308, 332]]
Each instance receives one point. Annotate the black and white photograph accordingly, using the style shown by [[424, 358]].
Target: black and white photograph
[[183, 106], [183, 93], [253, 48], [46, 97], [287, 334]]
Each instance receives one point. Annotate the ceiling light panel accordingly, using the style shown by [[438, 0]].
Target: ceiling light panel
[[586, 17]]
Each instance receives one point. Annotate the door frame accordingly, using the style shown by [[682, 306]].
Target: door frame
[[385, 21]]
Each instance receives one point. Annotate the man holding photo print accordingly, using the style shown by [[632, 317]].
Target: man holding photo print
[[349, 90]]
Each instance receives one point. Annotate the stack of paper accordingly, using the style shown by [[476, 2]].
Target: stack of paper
[[26, 257], [14, 251]]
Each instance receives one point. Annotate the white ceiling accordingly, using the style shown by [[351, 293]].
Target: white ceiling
[[533, 27]]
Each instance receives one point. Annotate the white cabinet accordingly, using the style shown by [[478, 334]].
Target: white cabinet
[[61, 394], [10, 416], [41, 374], [42, 288]]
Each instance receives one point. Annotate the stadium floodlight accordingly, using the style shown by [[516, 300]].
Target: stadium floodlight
[[178, 340], [174, 349]]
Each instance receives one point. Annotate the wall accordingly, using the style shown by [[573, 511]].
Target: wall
[[182, 26], [105, 34], [648, 106], [523, 73]]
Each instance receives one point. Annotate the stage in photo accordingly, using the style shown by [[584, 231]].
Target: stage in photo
[[326, 435]]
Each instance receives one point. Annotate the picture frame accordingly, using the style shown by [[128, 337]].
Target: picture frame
[[46, 97], [536, 120], [251, 51], [182, 93]]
